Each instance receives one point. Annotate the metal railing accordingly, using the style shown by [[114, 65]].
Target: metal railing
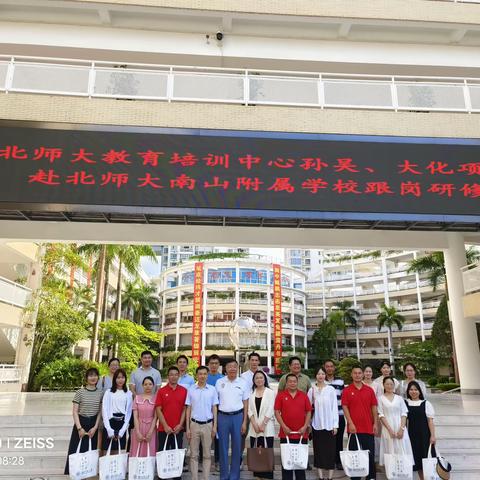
[[406, 328], [14, 293], [471, 278], [92, 79], [10, 373]]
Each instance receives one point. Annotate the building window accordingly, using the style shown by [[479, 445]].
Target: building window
[[251, 275], [169, 341], [221, 275], [218, 340], [299, 341], [188, 278]]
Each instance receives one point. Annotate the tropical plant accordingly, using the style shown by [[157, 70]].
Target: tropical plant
[[139, 299], [423, 355], [321, 345], [344, 368], [389, 317], [348, 317]]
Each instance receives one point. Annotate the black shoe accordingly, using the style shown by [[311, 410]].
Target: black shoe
[[338, 466], [309, 467]]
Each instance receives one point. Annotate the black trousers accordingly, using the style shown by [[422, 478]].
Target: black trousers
[[339, 438], [288, 474], [367, 442], [170, 443]]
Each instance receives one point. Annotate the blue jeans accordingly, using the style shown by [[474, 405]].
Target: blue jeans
[[230, 428]]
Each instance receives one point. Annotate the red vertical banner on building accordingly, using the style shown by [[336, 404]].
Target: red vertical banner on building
[[197, 313], [277, 318]]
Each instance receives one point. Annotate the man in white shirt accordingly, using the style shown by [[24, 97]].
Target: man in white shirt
[[233, 395], [185, 379], [253, 363]]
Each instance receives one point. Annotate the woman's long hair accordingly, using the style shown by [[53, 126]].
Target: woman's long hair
[[122, 372], [417, 386]]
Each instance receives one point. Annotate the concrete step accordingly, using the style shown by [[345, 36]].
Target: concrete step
[[457, 420]]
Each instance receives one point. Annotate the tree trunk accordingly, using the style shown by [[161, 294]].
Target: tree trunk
[[454, 351], [100, 284], [118, 309], [390, 346]]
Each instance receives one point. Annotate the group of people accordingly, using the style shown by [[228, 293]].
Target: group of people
[[224, 410]]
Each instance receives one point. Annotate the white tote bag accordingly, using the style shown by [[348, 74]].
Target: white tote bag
[[170, 462], [429, 465], [141, 468], [398, 466], [83, 465], [294, 455], [114, 467], [355, 463]]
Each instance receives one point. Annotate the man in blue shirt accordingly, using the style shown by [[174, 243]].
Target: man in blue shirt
[[201, 423], [185, 380], [213, 373]]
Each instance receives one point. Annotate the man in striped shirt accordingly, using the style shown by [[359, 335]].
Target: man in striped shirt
[[338, 384]]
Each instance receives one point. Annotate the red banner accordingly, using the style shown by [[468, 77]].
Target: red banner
[[277, 318], [197, 313]]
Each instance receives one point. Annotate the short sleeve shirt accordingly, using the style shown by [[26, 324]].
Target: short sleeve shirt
[[172, 401], [231, 394], [89, 401], [360, 402], [202, 400], [293, 410], [213, 378], [304, 383], [137, 376], [186, 381]]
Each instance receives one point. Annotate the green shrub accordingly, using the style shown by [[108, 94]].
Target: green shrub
[[445, 387], [442, 379], [65, 374], [344, 369], [432, 381]]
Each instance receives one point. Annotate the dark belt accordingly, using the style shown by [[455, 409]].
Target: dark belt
[[231, 413], [202, 423]]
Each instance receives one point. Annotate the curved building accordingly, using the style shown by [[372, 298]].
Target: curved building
[[232, 288]]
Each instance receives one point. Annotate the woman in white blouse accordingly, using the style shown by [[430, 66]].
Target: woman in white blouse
[[116, 412], [261, 415], [410, 372], [324, 425], [393, 412]]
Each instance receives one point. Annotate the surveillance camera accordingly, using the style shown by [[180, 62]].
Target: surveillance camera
[[219, 36]]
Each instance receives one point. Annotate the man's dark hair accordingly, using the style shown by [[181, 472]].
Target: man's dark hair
[[254, 354], [213, 357], [146, 352], [385, 362], [292, 359], [202, 367], [329, 360], [172, 368], [230, 360], [290, 375], [357, 365], [182, 356]]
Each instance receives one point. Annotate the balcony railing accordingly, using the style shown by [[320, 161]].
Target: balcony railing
[[14, 293], [221, 85], [406, 328], [471, 278], [10, 373]]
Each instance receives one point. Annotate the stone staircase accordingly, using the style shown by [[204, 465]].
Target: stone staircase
[[458, 439]]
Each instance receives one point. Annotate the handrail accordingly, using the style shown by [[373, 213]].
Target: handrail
[[14, 293], [105, 79]]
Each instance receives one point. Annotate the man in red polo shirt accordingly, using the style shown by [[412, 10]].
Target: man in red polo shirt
[[293, 412], [360, 408], [170, 403]]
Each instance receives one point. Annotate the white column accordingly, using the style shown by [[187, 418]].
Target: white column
[[419, 301], [269, 327], [237, 291], [386, 297], [324, 303], [355, 305], [162, 341], [463, 329], [177, 334], [305, 331]]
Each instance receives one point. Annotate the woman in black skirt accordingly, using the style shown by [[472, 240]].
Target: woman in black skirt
[[324, 425], [116, 412], [87, 403], [421, 428]]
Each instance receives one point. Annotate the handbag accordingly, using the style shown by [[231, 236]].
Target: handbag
[[170, 462], [355, 463], [260, 459], [83, 465], [141, 468], [443, 467], [429, 466], [398, 466], [294, 455], [113, 467]]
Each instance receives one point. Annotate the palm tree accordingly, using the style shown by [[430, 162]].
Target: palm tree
[[140, 298], [389, 317], [433, 265], [348, 317]]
